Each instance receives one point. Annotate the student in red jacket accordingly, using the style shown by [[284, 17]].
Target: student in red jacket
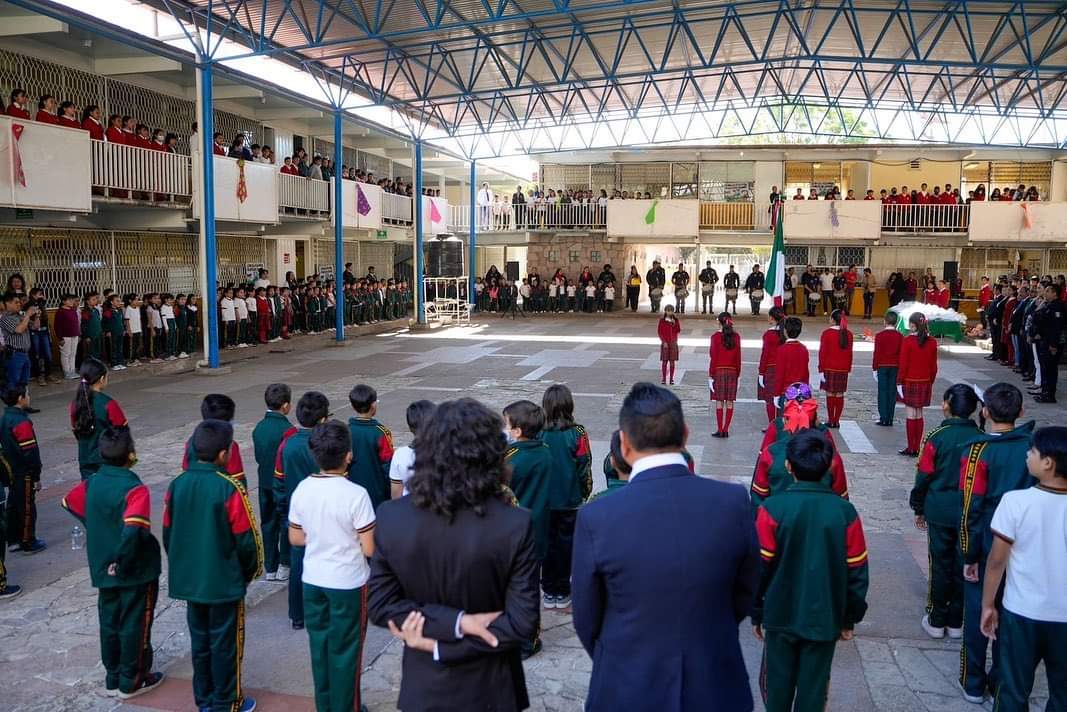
[[944, 296], [1007, 347], [114, 133], [792, 357], [915, 378], [46, 110], [724, 370], [884, 365], [773, 337], [985, 295], [91, 122], [68, 115], [669, 327], [18, 108], [835, 363]]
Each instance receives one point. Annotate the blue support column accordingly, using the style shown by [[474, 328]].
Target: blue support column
[[472, 239], [338, 231], [206, 129], [419, 256]]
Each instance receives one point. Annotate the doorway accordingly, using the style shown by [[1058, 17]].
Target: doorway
[[301, 246]]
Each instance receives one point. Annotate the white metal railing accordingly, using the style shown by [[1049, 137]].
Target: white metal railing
[[130, 171], [499, 217], [396, 208], [304, 194], [919, 218]]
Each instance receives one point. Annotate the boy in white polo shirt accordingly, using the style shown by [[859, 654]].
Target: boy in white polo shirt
[[1030, 540], [334, 519]]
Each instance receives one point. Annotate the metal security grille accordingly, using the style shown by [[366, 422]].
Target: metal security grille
[[152, 108], [851, 256], [796, 255], [155, 263], [236, 253], [1057, 261], [348, 155]]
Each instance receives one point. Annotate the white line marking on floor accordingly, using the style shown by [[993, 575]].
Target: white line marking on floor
[[855, 438], [536, 374], [430, 388], [412, 369], [621, 358]]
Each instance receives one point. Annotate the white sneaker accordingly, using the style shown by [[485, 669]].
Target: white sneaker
[[955, 633], [973, 699], [282, 574], [119, 367], [242, 346], [935, 633], [183, 355], [270, 576], [172, 358], [72, 376]]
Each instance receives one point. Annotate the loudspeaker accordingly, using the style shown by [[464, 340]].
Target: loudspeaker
[[512, 271], [951, 271], [444, 258]]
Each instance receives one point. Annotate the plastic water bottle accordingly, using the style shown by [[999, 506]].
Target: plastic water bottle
[[77, 538]]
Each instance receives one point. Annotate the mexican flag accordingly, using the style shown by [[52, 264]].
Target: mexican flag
[[776, 267]]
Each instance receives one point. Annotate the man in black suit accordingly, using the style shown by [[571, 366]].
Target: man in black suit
[[455, 570], [664, 570]]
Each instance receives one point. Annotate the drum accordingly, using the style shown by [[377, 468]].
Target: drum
[[839, 294], [756, 294], [787, 295], [681, 293], [731, 293], [707, 290], [655, 293], [814, 297]]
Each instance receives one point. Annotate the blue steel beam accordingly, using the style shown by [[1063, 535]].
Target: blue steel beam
[[338, 228], [420, 256], [472, 236], [207, 215]]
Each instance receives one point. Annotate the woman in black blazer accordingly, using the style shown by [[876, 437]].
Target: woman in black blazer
[[455, 570]]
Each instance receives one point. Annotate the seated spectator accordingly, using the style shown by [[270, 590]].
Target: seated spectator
[[238, 149], [68, 115], [91, 122], [19, 106], [46, 110], [219, 149]]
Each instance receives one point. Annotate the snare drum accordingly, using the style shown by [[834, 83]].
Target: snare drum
[[681, 293], [655, 293], [756, 294], [731, 293], [707, 290], [839, 295], [814, 297]]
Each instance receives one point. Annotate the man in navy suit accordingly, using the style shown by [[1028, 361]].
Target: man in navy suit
[[664, 571]]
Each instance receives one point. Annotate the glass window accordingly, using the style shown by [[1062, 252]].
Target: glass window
[[823, 176], [851, 256], [796, 255], [727, 181], [651, 178], [684, 180]]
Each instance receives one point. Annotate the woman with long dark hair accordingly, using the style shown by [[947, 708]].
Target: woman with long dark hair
[[835, 363], [724, 370], [91, 412], [915, 378], [633, 288], [454, 572]]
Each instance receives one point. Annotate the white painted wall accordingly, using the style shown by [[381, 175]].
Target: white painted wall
[[1005, 223], [857, 220]]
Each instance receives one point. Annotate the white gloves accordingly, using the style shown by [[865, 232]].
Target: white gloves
[[759, 380], [900, 392], [875, 374], [822, 378], [711, 384]]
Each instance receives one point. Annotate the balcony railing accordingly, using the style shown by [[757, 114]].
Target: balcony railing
[[926, 218], [396, 209], [727, 216], [300, 195], [120, 171], [503, 217]]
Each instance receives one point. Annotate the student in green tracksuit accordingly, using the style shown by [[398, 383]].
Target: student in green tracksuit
[[92, 329], [992, 465], [114, 329], [333, 519], [213, 553], [91, 411], [372, 445], [813, 590], [935, 499], [124, 563], [572, 483], [293, 463], [530, 461], [617, 470], [266, 439], [22, 456]]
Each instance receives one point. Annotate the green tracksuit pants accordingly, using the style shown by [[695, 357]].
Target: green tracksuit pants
[[336, 622]]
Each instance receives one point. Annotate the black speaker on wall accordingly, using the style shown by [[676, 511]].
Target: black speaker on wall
[[951, 271], [444, 258], [512, 270]]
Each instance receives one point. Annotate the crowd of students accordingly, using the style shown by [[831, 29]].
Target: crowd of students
[[921, 196]]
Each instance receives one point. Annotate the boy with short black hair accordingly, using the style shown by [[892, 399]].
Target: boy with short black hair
[[1030, 541], [992, 465], [219, 406], [814, 585], [402, 466], [213, 552], [531, 476], [18, 443], [333, 519], [293, 463], [372, 445], [267, 437], [124, 563]]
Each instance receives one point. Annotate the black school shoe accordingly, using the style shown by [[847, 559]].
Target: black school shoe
[[150, 682], [298, 625], [10, 591], [34, 547]]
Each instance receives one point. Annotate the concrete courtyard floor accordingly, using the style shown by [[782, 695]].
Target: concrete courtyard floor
[[48, 636]]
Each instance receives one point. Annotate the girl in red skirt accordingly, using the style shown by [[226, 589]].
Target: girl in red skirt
[[669, 328], [723, 372], [915, 378], [835, 363], [768, 359]]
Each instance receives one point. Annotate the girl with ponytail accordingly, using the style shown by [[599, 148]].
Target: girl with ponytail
[[915, 378], [768, 360], [723, 372], [835, 363], [92, 412]]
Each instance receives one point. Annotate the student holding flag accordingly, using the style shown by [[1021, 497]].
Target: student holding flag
[[775, 279]]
